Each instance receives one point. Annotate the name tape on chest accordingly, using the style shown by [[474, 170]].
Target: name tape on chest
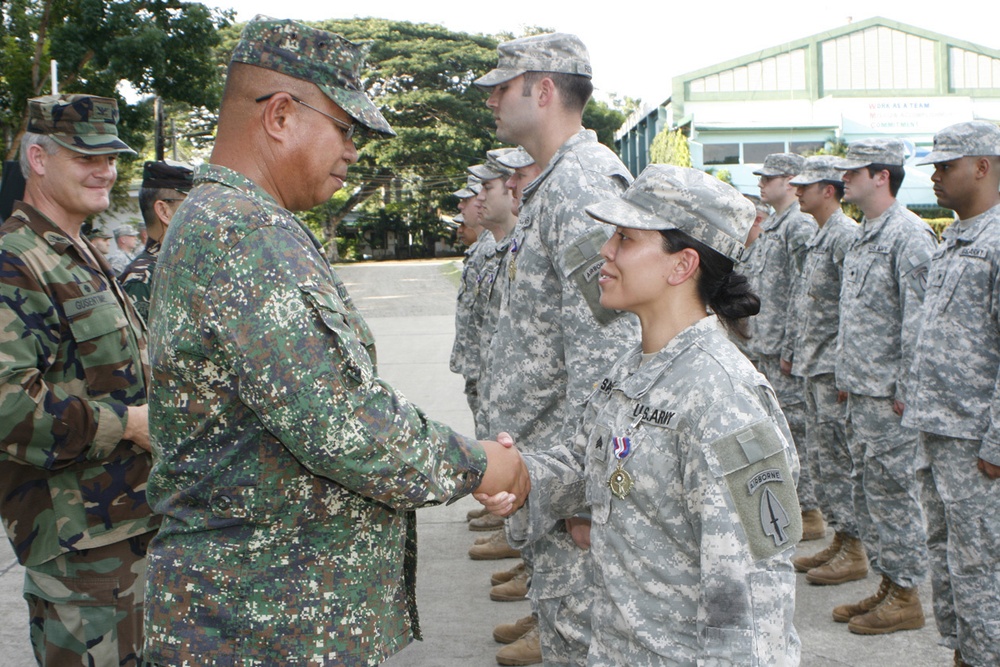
[[979, 253], [655, 416], [880, 249], [83, 304]]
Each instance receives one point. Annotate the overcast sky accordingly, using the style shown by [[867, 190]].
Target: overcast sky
[[636, 52]]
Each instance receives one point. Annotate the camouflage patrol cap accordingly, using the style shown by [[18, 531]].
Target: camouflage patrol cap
[[873, 151], [100, 233], [972, 138], [471, 189], [324, 58], [492, 169], [169, 176], [516, 159], [781, 164], [698, 204], [125, 230], [82, 123], [819, 168], [552, 52]]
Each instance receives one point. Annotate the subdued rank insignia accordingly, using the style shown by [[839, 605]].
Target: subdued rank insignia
[[773, 518]]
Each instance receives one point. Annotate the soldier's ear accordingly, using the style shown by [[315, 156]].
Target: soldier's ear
[[37, 157]]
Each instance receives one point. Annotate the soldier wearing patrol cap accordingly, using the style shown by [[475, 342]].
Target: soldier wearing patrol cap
[[811, 354], [955, 395], [773, 266], [101, 239], [682, 450], [885, 273], [553, 336], [164, 187], [286, 469], [126, 239], [73, 380]]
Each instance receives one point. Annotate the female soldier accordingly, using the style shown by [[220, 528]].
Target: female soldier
[[683, 455]]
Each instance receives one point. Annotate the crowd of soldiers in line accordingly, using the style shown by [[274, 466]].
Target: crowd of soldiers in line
[[279, 523], [882, 347]]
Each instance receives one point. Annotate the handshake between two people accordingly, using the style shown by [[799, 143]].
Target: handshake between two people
[[505, 484]]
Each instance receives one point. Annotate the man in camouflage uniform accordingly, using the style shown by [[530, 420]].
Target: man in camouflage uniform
[[885, 273], [773, 266], [101, 239], [955, 397], [126, 238], [553, 337], [164, 187], [73, 381], [465, 350], [811, 352], [286, 469]]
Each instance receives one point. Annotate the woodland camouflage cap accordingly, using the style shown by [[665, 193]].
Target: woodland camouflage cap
[[324, 58], [698, 204], [83, 123]]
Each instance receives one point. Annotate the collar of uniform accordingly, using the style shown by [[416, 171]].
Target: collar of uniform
[[871, 228], [152, 247], [41, 225], [504, 243], [969, 230], [583, 136], [639, 382], [214, 173], [774, 220]]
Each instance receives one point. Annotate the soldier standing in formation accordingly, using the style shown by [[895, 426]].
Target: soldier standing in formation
[[773, 266], [885, 271], [553, 337], [955, 397], [811, 354]]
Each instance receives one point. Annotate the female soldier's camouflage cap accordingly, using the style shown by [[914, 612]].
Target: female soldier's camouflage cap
[[83, 123], [324, 58], [698, 204]]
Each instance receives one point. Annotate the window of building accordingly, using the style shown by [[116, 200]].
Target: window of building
[[973, 70], [785, 71], [755, 153], [878, 58], [721, 153], [805, 147]]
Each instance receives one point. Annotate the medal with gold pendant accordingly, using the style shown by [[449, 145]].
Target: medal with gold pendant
[[621, 481]]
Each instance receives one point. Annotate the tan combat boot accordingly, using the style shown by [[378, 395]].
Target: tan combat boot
[[511, 591], [813, 525], [503, 576], [508, 633], [494, 549], [475, 514], [806, 563], [850, 564], [525, 651], [900, 610], [488, 522], [845, 612]]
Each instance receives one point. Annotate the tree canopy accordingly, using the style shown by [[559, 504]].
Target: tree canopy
[[158, 46]]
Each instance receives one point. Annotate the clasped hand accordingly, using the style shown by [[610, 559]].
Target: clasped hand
[[505, 484]]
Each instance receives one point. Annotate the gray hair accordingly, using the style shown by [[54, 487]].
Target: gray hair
[[33, 139]]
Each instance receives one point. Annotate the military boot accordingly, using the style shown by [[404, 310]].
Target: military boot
[[494, 549], [488, 522], [475, 514], [813, 525], [508, 633], [503, 576], [806, 563], [525, 651], [850, 564], [845, 612], [899, 610], [511, 591]]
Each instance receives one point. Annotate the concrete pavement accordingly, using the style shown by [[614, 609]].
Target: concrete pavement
[[410, 308]]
